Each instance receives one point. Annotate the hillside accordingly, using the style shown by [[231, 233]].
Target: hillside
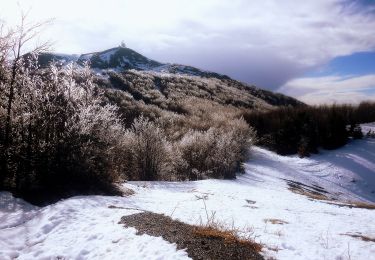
[[162, 84]]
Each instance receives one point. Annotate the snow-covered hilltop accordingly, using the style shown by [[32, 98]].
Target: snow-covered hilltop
[[314, 208]]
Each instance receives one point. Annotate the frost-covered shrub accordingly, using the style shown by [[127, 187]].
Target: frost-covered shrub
[[217, 152], [196, 148], [61, 133], [150, 150]]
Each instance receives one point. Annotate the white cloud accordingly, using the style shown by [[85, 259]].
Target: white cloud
[[332, 89], [264, 42]]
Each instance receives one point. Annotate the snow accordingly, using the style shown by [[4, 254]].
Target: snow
[[76, 228], [84, 227], [348, 173], [368, 127]]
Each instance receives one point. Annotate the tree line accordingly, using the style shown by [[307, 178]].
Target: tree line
[[303, 130]]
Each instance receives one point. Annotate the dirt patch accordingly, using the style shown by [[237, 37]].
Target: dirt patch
[[199, 242], [275, 221]]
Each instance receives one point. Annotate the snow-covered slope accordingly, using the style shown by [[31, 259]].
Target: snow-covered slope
[[260, 203]]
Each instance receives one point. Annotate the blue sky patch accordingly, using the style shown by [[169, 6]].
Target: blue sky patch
[[357, 64]]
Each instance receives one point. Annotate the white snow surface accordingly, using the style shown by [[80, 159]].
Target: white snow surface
[[76, 228], [84, 227], [368, 127]]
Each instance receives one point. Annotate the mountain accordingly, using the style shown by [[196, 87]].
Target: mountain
[[121, 58], [125, 69]]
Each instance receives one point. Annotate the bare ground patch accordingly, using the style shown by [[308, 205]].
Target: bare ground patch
[[200, 242]]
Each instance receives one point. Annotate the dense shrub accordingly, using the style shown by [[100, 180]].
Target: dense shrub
[[215, 153], [61, 135], [303, 130], [208, 140], [149, 151]]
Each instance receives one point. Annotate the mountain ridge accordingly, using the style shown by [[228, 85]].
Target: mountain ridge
[[123, 58], [124, 68]]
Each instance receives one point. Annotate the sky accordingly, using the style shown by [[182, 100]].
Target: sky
[[319, 51]]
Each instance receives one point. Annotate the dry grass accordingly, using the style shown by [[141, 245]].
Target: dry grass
[[275, 221], [228, 235], [354, 204], [359, 236], [309, 194], [362, 205]]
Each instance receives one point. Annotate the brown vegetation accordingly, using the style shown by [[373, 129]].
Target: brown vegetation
[[200, 242]]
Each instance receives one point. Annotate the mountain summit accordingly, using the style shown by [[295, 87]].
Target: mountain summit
[[122, 58], [130, 71]]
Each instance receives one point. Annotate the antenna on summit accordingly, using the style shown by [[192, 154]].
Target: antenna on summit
[[122, 44]]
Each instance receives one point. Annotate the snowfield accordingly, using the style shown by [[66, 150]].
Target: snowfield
[[259, 202]]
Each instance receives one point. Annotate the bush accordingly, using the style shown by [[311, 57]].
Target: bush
[[61, 135], [149, 151], [217, 152]]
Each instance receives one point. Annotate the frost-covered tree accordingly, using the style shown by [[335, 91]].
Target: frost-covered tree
[[12, 62], [62, 133]]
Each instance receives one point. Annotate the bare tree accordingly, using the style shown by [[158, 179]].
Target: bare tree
[[23, 34], [13, 43]]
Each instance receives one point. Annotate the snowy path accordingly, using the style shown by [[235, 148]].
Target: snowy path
[[87, 228]]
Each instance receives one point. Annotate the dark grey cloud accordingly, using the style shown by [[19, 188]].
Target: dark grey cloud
[[259, 67]]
